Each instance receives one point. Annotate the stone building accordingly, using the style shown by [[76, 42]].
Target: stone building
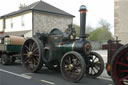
[[37, 17], [121, 20]]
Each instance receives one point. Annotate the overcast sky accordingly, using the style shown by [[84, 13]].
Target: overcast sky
[[97, 9]]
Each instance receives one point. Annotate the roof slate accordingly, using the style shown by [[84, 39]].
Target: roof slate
[[39, 6]]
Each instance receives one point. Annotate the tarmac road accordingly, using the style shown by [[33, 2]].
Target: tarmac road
[[16, 75]]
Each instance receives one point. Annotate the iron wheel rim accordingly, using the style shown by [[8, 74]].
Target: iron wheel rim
[[70, 70], [96, 65], [31, 55], [120, 68]]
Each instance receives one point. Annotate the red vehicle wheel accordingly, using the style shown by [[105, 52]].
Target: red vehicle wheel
[[119, 66]]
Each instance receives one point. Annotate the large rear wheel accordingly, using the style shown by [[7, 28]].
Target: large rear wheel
[[32, 54], [119, 66], [72, 66]]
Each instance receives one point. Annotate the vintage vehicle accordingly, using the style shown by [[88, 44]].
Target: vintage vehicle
[[61, 50], [117, 64], [10, 47], [112, 46]]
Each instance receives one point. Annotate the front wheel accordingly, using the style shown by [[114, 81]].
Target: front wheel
[[95, 65], [5, 59], [72, 66]]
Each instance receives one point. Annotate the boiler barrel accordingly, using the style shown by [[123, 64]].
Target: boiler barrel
[[77, 46]]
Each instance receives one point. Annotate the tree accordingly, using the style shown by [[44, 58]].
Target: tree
[[89, 29], [77, 29], [102, 32], [104, 24], [22, 6]]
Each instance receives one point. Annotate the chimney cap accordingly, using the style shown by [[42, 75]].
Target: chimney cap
[[83, 7]]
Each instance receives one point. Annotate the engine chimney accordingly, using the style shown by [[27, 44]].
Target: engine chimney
[[83, 11]]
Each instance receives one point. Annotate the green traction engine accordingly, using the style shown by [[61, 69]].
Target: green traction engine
[[59, 50]]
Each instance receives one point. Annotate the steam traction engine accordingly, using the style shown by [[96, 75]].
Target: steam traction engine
[[117, 64], [59, 50]]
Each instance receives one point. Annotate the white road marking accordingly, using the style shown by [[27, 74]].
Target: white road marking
[[27, 73], [23, 76], [109, 79], [48, 82], [109, 84]]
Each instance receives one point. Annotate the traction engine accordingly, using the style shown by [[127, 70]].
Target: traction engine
[[59, 50]]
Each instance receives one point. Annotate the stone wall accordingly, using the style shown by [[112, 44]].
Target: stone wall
[[121, 20], [45, 22]]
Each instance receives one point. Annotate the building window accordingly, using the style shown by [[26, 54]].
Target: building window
[[11, 23], [22, 21]]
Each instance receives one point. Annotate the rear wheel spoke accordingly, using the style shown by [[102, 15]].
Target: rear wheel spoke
[[36, 55], [27, 60], [25, 54], [122, 71], [36, 61], [35, 50], [30, 45], [33, 46], [122, 79], [27, 49], [122, 64]]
